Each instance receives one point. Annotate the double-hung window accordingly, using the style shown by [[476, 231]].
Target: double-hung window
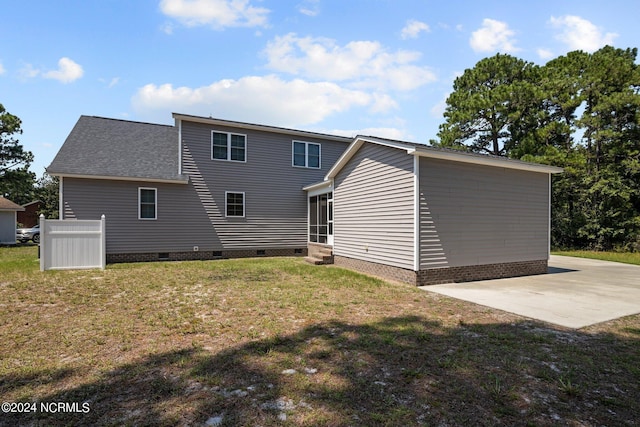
[[306, 154], [228, 146], [147, 203], [234, 204]]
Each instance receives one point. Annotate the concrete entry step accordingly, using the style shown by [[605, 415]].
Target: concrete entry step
[[314, 260], [319, 254]]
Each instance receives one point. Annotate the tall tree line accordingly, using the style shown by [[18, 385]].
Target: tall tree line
[[581, 112]]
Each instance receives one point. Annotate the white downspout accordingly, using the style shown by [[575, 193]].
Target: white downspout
[[549, 224], [179, 147], [416, 212], [60, 200]]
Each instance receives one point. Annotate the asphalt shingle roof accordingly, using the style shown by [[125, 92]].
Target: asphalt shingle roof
[[8, 205], [105, 147]]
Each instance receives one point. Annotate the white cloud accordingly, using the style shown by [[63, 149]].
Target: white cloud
[[309, 7], [438, 109], [413, 28], [67, 72], [2, 70], [217, 13], [544, 53], [493, 36], [28, 72], [167, 28], [263, 99], [580, 34], [111, 82], [382, 103], [361, 63]]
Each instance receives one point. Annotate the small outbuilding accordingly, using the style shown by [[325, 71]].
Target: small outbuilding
[[29, 216], [8, 220]]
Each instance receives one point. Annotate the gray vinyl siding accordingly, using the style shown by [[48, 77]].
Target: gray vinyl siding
[[474, 215], [194, 214], [275, 204], [374, 209], [181, 221]]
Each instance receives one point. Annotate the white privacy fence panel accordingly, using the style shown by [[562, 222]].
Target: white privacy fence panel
[[72, 244]]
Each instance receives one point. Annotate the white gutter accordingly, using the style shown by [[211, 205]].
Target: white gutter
[[263, 128], [416, 212], [121, 178], [463, 157], [318, 185]]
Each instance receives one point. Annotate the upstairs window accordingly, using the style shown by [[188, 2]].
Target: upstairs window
[[306, 154], [147, 202], [234, 204], [228, 146]]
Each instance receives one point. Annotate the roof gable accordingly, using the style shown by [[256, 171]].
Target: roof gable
[[422, 150], [8, 205], [118, 149]]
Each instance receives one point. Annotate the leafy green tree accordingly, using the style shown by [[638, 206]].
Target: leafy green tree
[[581, 112], [487, 104], [611, 124], [47, 191], [16, 181]]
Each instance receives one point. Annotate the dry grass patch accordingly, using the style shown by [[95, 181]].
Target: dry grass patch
[[279, 342]]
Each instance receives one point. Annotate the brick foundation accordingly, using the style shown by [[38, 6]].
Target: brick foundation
[[203, 255], [445, 274], [480, 272], [375, 269]]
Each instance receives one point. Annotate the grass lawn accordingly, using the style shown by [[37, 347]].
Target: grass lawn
[[626, 257], [275, 341]]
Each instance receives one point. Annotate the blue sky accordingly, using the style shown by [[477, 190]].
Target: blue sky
[[376, 67]]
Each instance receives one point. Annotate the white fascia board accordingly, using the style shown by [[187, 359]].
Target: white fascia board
[[121, 178], [487, 161], [358, 142], [409, 148], [263, 128], [343, 159], [318, 186]]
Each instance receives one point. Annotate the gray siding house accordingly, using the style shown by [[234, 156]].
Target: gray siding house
[[202, 189], [424, 215], [207, 188]]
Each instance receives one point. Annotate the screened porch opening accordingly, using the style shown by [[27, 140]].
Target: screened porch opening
[[321, 218]]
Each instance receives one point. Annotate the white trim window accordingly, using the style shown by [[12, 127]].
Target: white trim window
[[234, 204], [228, 146], [305, 154], [147, 203]]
